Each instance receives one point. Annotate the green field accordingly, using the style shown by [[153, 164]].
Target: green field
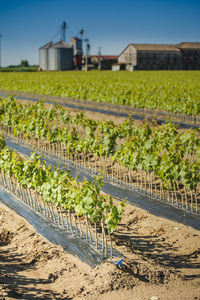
[[172, 91], [160, 160]]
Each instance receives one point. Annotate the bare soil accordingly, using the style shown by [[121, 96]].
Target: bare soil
[[161, 261]]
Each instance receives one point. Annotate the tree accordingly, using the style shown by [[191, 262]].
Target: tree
[[24, 63]]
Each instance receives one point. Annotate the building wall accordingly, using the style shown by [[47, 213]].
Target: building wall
[[158, 60], [52, 66], [66, 61], [43, 56], [129, 56], [60, 59], [190, 59], [115, 67], [106, 64]]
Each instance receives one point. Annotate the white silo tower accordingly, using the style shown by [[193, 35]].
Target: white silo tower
[[60, 57], [44, 56]]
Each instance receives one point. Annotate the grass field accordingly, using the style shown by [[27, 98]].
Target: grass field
[[172, 91]]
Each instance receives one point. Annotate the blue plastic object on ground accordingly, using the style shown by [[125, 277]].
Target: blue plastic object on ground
[[119, 263]]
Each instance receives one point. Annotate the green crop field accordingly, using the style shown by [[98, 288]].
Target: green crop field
[[172, 91], [164, 159]]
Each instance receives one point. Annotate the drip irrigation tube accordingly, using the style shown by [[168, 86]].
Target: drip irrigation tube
[[109, 112], [153, 206], [51, 231]]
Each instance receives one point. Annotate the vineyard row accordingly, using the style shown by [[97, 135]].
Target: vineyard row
[[138, 180], [161, 160], [176, 92], [78, 207]]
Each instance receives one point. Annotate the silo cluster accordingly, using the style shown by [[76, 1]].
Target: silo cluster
[[57, 56]]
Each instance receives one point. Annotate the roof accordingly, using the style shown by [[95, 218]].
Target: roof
[[155, 47], [76, 38], [46, 46], [106, 56], [189, 45], [164, 47], [118, 64], [61, 44], [109, 56]]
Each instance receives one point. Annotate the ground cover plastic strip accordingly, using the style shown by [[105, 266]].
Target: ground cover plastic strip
[[136, 198]]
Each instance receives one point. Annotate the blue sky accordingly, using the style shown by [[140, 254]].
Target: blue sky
[[28, 24]]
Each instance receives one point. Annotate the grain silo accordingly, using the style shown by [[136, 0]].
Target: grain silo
[[60, 57], [44, 56], [56, 56]]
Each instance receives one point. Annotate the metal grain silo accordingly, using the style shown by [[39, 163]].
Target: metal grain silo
[[60, 57], [44, 56]]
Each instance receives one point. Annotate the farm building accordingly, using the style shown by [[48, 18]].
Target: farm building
[[120, 66], [161, 57], [190, 55], [78, 51], [56, 56], [106, 61]]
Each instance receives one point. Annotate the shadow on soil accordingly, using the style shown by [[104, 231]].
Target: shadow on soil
[[17, 286], [155, 249]]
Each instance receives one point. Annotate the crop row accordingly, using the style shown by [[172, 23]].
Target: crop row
[[175, 91], [160, 160], [57, 190]]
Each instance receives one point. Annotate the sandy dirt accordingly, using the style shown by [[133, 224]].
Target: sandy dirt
[[161, 261]]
